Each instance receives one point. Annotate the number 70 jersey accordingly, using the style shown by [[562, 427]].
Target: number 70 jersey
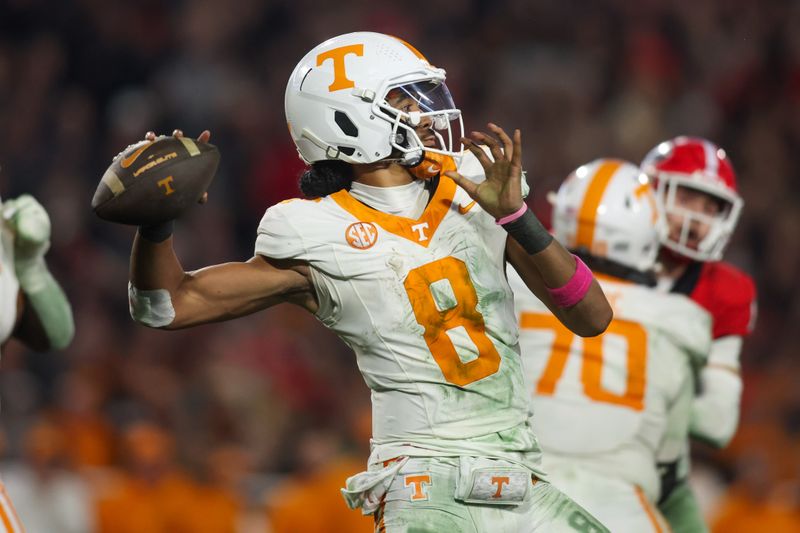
[[426, 307], [611, 403]]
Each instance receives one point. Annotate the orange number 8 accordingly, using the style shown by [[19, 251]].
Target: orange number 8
[[592, 360], [437, 322]]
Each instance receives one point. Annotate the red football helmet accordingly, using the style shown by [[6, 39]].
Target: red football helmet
[[700, 165]]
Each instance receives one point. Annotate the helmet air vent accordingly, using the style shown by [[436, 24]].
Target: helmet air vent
[[345, 124]]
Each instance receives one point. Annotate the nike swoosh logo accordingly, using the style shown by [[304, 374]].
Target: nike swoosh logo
[[432, 169], [462, 209], [128, 161]]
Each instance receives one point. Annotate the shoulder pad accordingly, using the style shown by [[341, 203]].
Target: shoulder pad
[[278, 236]]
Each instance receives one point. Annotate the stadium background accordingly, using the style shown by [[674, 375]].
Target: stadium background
[[251, 425]]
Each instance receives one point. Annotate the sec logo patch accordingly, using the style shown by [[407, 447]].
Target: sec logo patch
[[361, 235]]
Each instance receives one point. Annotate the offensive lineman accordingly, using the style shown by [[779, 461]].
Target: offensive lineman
[[33, 308], [410, 273], [602, 406], [696, 184]]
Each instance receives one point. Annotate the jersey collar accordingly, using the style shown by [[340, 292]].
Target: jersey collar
[[419, 231]]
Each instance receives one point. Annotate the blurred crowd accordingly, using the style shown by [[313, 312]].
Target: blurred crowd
[[238, 427]]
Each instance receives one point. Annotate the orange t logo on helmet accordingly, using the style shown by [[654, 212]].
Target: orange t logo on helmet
[[340, 80]]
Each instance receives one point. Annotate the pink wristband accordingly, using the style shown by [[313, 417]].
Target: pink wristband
[[513, 216], [576, 288]]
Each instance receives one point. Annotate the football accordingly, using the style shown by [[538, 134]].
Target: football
[[155, 181]]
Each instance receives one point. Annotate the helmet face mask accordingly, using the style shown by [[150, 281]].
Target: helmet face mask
[[685, 222], [342, 103], [696, 165], [427, 104]]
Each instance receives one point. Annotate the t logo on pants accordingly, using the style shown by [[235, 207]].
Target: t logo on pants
[[420, 484]]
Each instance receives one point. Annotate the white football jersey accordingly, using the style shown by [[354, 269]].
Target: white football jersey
[[605, 402], [426, 308], [9, 286]]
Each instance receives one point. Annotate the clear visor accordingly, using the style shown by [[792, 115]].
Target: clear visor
[[425, 118], [424, 97]]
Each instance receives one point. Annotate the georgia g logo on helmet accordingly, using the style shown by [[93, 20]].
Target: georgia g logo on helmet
[[364, 97]]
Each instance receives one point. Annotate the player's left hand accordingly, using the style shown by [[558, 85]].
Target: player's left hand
[[501, 193], [204, 137], [31, 226]]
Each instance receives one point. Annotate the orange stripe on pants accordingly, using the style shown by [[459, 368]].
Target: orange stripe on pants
[[8, 515], [380, 525], [649, 510]]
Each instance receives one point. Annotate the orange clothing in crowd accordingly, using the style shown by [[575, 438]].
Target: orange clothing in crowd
[[741, 514], [89, 440], [219, 513], [134, 506], [313, 504]]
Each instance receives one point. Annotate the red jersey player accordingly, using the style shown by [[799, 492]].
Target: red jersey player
[[696, 184]]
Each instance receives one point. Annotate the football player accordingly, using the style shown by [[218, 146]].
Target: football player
[[402, 254], [696, 183], [602, 405], [33, 308]]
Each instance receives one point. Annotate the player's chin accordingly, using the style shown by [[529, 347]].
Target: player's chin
[[693, 244]]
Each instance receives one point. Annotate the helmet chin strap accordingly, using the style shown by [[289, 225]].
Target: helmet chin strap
[[411, 158]]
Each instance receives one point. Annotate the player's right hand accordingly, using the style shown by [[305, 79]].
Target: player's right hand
[[30, 223], [204, 136]]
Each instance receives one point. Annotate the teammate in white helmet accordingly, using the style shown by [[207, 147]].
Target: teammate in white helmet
[[402, 253], [696, 183], [603, 407], [33, 307]]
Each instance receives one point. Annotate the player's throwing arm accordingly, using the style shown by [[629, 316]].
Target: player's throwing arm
[[152, 183]]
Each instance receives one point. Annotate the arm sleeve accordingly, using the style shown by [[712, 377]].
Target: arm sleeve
[[48, 301], [715, 410], [278, 237]]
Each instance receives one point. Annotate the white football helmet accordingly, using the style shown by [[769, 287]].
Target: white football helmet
[[337, 108], [607, 209]]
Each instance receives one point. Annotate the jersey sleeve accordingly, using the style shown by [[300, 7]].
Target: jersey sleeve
[[734, 306], [715, 411], [739, 317], [278, 236]]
